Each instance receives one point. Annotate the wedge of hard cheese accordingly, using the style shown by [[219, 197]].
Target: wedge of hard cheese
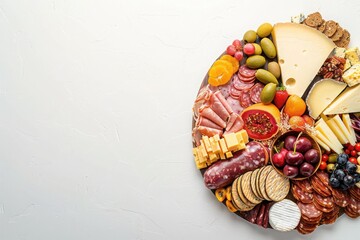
[[301, 52], [347, 102], [322, 94]]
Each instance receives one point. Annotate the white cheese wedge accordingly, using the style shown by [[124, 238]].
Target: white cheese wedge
[[322, 94], [298, 18], [284, 215], [301, 52], [347, 121], [347, 102], [352, 75], [326, 141], [340, 52]]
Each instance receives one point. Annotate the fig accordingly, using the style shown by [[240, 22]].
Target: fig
[[289, 142], [306, 169], [290, 171], [261, 121], [312, 156], [294, 158]]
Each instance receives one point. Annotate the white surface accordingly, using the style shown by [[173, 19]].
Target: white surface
[[95, 116]]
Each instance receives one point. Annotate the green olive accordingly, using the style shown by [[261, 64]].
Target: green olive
[[268, 47], [333, 158], [274, 68], [258, 49], [250, 36], [268, 93], [330, 167], [255, 61], [264, 30]]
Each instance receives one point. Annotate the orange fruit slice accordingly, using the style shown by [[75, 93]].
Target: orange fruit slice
[[234, 62], [220, 73], [295, 106]]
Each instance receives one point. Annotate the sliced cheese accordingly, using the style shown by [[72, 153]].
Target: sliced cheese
[[343, 128], [322, 94], [326, 131], [347, 122], [352, 75], [347, 102], [321, 143], [301, 52], [322, 138], [337, 131]]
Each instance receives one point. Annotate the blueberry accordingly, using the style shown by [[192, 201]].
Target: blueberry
[[342, 159], [339, 174], [349, 181], [350, 167], [334, 182]]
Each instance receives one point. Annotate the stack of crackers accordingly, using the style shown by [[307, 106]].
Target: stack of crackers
[[253, 187], [339, 35]]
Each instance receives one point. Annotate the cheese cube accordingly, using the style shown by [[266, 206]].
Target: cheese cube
[[352, 75], [229, 155], [339, 52], [244, 135], [352, 54], [298, 18], [213, 157], [223, 146], [214, 145], [231, 141], [207, 144]]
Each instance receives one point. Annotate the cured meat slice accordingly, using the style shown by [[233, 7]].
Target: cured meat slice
[[255, 92], [235, 105], [355, 193], [341, 198], [304, 185], [225, 172], [245, 99], [223, 101], [235, 93], [319, 186], [218, 107], [208, 113], [237, 126], [326, 202], [225, 89], [246, 72], [309, 211], [241, 85], [203, 121], [208, 131], [301, 195]]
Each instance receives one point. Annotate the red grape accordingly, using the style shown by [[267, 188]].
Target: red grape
[[231, 50], [239, 55], [249, 49], [237, 44]]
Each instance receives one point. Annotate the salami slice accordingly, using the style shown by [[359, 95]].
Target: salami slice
[[340, 197], [247, 80], [301, 195], [255, 92], [241, 85], [246, 72], [322, 208], [235, 93], [304, 185], [309, 211], [355, 192], [245, 99], [326, 202], [235, 105]]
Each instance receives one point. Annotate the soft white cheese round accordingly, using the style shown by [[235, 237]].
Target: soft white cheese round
[[284, 215]]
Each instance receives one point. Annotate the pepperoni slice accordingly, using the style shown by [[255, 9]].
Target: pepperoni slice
[[247, 80], [304, 185], [255, 92], [241, 85], [309, 211], [326, 202], [246, 72], [245, 100], [301, 195]]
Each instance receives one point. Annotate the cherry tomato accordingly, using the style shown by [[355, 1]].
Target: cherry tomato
[[347, 151], [325, 158], [323, 165], [350, 147], [357, 147], [353, 153], [353, 160]]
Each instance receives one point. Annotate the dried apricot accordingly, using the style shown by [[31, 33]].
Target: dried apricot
[[295, 106], [234, 62], [228, 193], [220, 194], [220, 73], [230, 206]]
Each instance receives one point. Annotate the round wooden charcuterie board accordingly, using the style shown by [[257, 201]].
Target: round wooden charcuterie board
[[276, 129]]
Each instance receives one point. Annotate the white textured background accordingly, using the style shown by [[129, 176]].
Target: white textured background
[[95, 116]]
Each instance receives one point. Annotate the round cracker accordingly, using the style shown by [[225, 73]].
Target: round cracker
[[277, 186], [262, 178], [241, 194], [246, 187], [253, 182], [238, 203]]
